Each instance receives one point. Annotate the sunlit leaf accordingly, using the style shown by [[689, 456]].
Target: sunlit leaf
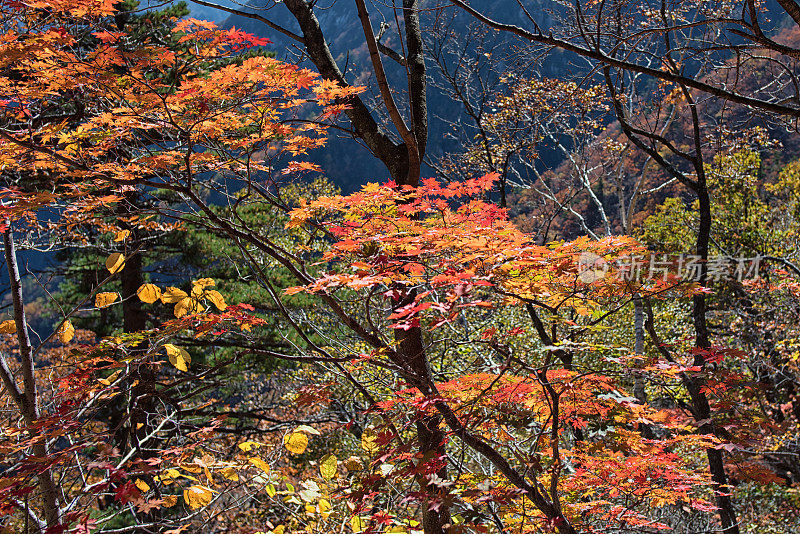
[[66, 332], [197, 496], [142, 485], [171, 295], [122, 235], [296, 442], [169, 476], [353, 463], [110, 380], [357, 524], [8, 327], [324, 505], [185, 307], [101, 300], [178, 357], [248, 446], [148, 293], [368, 441], [230, 473], [216, 299], [261, 464], [327, 466], [115, 262]]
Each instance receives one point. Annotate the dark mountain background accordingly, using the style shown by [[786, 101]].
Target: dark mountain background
[[451, 36], [449, 32]]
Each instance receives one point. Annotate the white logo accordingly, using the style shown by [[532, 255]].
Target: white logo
[[591, 267]]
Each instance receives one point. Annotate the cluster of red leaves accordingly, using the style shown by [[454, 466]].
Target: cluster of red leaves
[[613, 478], [447, 245]]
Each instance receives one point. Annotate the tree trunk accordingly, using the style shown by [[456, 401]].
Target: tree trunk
[[700, 402], [430, 438], [27, 400]]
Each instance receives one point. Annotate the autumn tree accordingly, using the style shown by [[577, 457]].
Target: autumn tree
[[133, 104], [695, 52], [233, 114]]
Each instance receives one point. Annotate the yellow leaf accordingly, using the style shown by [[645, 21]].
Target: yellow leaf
[[230, 473], [279, 529], [110, 379], [197, 292], [324, 506], [368, 441], [204, 282], [115, 262], [357, 524], [169, 476], [261, 464], [8, 327], [191, 468], [271, 490], [197, 496], [185, 307], [327, 466], [122, 235], [248, 446], [170, 501], [142, 485], [66, 332], [216, 299], [178, 357], [101, 300], [296, 442], [148, 293], [173, 295]]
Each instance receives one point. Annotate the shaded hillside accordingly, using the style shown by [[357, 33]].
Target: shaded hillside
[[446, 29], [630, 186]]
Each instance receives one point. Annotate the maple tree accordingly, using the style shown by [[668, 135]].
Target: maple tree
[[689, 70], [438, 267], [154, 107]]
